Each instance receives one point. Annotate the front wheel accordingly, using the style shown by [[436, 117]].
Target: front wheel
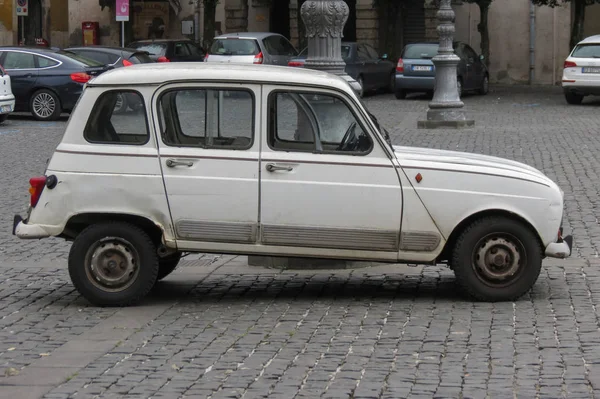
[[45, 105], [573, 99], [497, 259], [113, 264]]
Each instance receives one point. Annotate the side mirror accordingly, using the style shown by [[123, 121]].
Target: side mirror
[[384, 57]]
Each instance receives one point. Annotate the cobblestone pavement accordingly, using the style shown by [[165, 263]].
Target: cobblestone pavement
[[218, 328]]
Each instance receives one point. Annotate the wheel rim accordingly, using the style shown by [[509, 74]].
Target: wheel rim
[[112, 264], [44, 105], [498, 259]]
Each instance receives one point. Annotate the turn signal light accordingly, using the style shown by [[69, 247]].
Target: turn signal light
[[35, 190], [163, 59], [127, 63], [80, 77], [258, 58], [570, 64], [400, 66]]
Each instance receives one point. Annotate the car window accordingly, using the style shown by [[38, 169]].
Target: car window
[[362, 53], [181, 50], [194, 50], [93, 55], [207, 118], [80, 58], [234, 47], [420, 51], [279, 45], [159, 49], [586, 51], [371, 52], [43, 62], [18, 60], [107, 126], [470, 53], [314, 123], [140, 58]]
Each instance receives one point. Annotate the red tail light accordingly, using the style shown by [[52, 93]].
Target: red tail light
[[206, 58], [163, 59], [570, 64], [258, 58], [400, 66], [36, 187], [295, 64], [127, 63], [80, 77]]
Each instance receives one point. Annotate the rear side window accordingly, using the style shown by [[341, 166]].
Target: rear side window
[[159, 49], [420, 51], [234, 47], [278, 45], [140, 58], [80, 59], [43, 62], [586, 51], [112, 122]]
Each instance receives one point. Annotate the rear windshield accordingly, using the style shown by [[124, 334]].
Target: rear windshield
[[140, 58], [234, 47], [587, 51], [159, 49], [420, 51], [80, 58]]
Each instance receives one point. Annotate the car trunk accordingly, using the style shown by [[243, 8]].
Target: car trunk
[[417, 59], [587, 59], [419, 67]]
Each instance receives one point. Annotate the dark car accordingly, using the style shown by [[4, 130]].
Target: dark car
[[113, 56], [415, 71], [47, 81], [363, 64], [170, 50]]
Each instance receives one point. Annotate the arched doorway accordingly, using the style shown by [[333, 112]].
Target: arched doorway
[[31, 25]]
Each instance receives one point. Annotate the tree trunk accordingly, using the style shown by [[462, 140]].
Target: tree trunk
[[578, 22], [482, 27], [210, 12]]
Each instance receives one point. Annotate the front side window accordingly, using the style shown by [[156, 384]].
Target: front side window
[[181, 50], [18, 60], [207, 118], [111, 122], [310, 122]]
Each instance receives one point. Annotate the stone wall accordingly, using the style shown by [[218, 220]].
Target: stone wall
[[367, 23], [236, 15], [8, 23]]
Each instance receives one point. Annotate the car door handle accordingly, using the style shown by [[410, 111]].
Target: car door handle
[[29, 75], [271, 167], [171, 163]]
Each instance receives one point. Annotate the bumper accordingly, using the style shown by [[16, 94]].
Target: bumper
[[424, 83], [560, 249], [7, 100], [579, 88], [28, 231]]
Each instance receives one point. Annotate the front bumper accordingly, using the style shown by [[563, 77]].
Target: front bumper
[[561, 248], [28, 231]]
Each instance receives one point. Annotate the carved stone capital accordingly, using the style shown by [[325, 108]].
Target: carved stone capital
[[324, 18]]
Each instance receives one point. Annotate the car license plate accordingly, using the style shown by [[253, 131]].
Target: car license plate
[[422, 68], [5, 109], [591, 70]]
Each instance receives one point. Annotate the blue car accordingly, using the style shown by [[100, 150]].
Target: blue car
[[415, 71]]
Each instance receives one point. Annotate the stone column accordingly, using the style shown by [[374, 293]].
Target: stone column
[[324, 21], [446, 108]]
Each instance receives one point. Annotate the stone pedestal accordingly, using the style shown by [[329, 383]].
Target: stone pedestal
[[446, 108]]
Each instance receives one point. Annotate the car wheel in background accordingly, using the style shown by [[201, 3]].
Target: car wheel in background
[[45, 105], [392, 84], [485, 86], [400, 94], [574, 99]]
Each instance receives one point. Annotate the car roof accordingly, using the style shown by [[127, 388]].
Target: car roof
[[159, 73], [591, 39], [161, 40], [33, 49], [247, 35], [107, 49]]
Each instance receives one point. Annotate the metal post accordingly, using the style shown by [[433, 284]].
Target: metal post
[[446, 108], [324, 21], [122, 34], [23, 30]]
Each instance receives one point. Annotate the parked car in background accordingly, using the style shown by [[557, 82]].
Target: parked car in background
[[415, 71], [251, 48], [47, 81], [116, 57], [7, 100], [581, 76], [363, 64], [170, 50]]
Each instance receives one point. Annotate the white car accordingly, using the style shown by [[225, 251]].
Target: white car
[[7, 100], [264, 160], [581, 75]]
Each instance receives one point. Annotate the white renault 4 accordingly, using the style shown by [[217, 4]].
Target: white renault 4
[[7, 99], [581, 75], [275, 161]]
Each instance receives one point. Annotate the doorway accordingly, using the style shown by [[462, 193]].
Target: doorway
[[350, 27], [31, 25], [279, 20]]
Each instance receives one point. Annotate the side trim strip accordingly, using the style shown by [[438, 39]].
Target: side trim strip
[[471, 172]]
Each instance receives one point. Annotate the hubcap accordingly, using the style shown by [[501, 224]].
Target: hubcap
[[44, 105], [112, 264], [498, 259]]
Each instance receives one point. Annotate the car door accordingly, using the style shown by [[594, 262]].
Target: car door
[[366, 66], [381, 68], [21, 68], [477, 67], [181, 52], [326, 182], [464, 68], [209, 157]]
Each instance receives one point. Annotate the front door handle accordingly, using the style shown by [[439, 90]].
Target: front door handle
[[171, 163], [271, 167]]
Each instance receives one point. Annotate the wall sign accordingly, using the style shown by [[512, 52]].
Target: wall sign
[[122, 10], [22, 8]]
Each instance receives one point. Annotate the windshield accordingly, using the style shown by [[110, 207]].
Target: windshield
[[159, 49], [587, 51], [420, 51], [234, 47], [80, 58]]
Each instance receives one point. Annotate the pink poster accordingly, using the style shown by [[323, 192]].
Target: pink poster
[[122, 7]]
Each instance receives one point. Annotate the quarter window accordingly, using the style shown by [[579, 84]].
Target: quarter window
[[314, 123], [44, 62], [114, 121], [207, 118]]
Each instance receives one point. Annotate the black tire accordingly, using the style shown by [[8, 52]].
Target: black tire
[[392, 83], [512, 241], [45, 105], [3, 118], [573, 99], [115, 241], [167, 265], [485, 86], [400, 94]]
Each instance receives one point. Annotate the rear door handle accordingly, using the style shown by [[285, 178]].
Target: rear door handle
[[271, 167], [171, 163]]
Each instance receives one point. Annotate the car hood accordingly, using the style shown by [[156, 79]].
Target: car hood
[[414, 157]]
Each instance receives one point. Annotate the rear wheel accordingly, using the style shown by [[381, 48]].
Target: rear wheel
[[400, 94], [574, 99], [45, 105], [392, 84], [497, 259], [485, 86]]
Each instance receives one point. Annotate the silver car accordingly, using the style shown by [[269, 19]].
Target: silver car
[[251, 48]]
